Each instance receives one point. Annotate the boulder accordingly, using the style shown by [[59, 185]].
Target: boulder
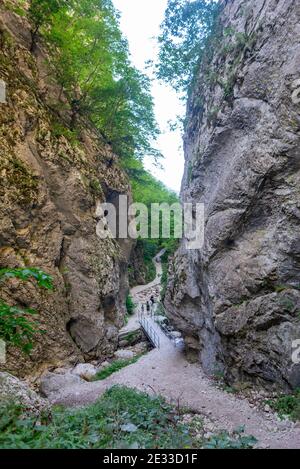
[[85, 371], [103, 365], [176, 334], [124, 354], [52, 383], [13, 389]]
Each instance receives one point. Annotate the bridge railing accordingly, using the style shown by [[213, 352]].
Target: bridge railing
[[149, 331], [176, 341]]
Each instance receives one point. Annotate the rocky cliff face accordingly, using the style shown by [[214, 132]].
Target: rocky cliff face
[[137, 268], [51, 182], [237, 300]]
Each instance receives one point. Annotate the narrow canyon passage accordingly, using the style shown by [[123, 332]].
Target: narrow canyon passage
[[166, 372], [126, 127]]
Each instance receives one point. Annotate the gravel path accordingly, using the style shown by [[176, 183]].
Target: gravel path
[[142, 293], [166, 372]]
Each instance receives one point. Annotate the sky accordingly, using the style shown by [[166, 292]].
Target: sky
[[140, 21]]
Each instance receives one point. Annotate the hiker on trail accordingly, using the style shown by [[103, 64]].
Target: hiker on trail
[[143, 308], [148, 306], [152, 300]]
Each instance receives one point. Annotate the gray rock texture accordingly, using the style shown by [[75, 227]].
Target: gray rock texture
[[237, 299], [53, 383], [51, 184], [85, 371], [14, 390]]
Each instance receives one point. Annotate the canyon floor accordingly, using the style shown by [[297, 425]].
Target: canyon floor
[[166, 372]]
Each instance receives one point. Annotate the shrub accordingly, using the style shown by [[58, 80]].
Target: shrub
[[235, 441], [122, 418], [43, 280], [287, 406], [114, 367], [130, 305], [16, 327]]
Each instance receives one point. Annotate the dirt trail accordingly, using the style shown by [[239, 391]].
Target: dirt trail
[[141, 293], [166, 372]]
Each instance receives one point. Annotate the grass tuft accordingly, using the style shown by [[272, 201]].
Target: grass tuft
[[287, 406], [115, 366]]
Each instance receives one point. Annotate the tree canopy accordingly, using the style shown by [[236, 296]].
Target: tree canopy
[[184, 33], [92, 64]]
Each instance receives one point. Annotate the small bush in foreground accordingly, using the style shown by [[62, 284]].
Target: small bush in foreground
[[235, 441], [122, 418], [287, 406]]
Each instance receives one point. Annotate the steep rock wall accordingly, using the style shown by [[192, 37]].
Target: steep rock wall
[[51, 183], [237, 299], [137, 267]]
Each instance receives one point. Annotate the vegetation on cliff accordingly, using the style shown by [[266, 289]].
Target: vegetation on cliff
[[17, 326], [90, 59], [185, 31]]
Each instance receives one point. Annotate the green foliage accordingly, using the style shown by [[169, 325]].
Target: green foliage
[[40, 14], [18, 9], [164, 280], [287, 303], [132, 337], [148, 190], [16, 328], [226, 441], [184, 34], [228, 87], [123, 418], [150, 271], [41, 11], [43, 280], [149, 247], [16, 325], [114, 367], [58, 130], [281, 288], [130, 305], [91, 60], [287, 406]]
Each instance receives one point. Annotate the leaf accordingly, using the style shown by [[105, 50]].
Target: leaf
[[134, 445], [129, 428]]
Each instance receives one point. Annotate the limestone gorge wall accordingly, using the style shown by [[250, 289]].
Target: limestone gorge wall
[[237, 300], [51, 182]]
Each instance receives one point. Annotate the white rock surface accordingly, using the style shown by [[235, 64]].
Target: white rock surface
[[85, 371]]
